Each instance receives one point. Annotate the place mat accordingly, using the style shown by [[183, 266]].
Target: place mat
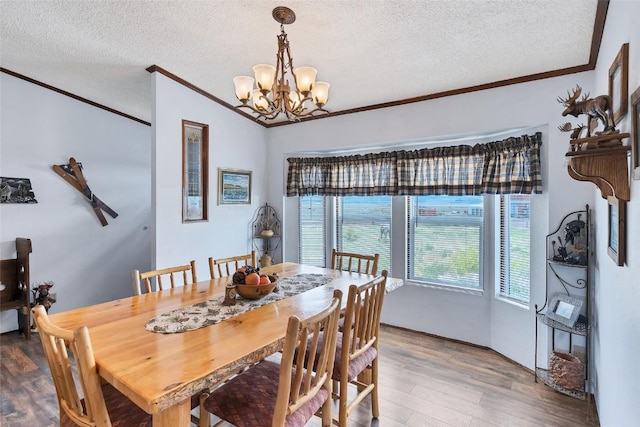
[[212, 311]]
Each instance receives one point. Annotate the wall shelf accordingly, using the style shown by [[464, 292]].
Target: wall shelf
[[606, 167]]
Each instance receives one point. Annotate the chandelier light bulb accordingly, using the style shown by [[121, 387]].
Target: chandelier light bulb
[[320, 93], [244, 87], [260, 101], [265, 76], [296, 100], [305, 78]]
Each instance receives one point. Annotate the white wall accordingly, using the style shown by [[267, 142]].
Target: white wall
[[616, 337], [235, 143], [88, 263]]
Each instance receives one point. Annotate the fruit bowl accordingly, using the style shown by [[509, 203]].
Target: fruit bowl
[[256, 291]]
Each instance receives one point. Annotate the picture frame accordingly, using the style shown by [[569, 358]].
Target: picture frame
[[564, 309], [619, 83], [16, 190], [234, 187], [616, 240], [195, 171], [635, 133]]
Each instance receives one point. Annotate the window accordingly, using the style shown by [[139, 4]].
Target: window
[[363, 225], [312, 230], [515, 214], [445, 240]]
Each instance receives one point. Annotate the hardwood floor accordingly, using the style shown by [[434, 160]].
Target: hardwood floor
[[424, 381]]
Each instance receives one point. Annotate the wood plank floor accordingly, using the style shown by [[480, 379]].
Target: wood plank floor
[[424, 381]]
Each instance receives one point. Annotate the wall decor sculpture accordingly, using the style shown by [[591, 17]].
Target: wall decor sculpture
[[596, 152], [16, 190]]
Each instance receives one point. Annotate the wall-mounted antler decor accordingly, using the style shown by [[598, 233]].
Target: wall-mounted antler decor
[[599, 156]]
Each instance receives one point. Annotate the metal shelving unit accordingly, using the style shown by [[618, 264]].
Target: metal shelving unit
[[568, 271], [266, 230]]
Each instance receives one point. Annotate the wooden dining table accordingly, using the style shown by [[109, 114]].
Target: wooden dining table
[[160, 372]]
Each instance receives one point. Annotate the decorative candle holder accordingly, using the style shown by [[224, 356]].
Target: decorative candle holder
[[230, 294]]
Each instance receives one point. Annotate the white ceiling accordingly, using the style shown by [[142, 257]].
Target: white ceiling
[[372, 52]]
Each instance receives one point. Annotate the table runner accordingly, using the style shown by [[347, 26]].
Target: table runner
[[212, 311]]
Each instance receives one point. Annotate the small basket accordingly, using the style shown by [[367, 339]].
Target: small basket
[[566, 370]]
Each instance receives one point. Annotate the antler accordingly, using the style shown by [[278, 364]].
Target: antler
[[585, 96], [565, 127], [571, 97]]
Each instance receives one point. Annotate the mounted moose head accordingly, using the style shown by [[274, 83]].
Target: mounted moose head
[[598, 108]]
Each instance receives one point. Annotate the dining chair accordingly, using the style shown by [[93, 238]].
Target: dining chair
[[137, 278], [276, 394], [357, 355], [359, 263], [227, 266], [102, 405]]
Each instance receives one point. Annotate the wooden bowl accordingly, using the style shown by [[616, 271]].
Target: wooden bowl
[[256, 291]]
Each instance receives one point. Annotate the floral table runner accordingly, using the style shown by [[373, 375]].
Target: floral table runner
[[212, 311]]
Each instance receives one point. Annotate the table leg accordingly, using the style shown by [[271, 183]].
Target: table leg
[[176, 415]]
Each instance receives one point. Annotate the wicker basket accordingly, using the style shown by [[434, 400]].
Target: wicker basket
[[566, 370]]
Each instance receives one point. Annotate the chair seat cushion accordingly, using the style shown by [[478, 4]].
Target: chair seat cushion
[[357, 365], [249, 399], [122, 411]]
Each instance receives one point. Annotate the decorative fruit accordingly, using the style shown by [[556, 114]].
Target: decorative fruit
[[264, 279], [252, 279], [249, 270], [239, 277]]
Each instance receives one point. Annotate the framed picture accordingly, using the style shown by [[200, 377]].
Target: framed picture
[[619, 83], [195, 177], [234, 187], [16, 190], [564, 309], [616, 240], [635, 133]]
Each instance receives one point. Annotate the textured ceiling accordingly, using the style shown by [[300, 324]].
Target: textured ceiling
[[372, 52]]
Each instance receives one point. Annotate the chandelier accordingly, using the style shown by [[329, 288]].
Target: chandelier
[[272, 94]]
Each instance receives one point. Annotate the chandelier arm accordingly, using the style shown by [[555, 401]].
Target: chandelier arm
[[261, 113]]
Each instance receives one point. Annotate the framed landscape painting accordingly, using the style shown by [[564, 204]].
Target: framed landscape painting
[[234, 187]]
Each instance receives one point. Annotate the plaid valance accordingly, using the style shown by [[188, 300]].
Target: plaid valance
[[511, 166]]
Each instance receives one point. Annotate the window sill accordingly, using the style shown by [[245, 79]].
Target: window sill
[[516, 303], [457, 289]]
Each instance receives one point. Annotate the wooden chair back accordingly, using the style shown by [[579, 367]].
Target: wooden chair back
[[16, 294], [358, 263], [315, 335], [227, 266], [137, 278], [360, 332], [364, 306], [57, 344]]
